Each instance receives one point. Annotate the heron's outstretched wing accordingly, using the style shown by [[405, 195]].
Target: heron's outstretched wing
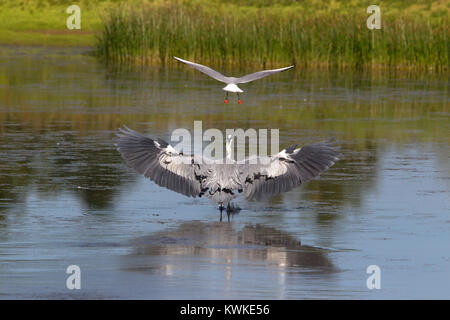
[[159, 162], [259, 74], [288, 169], [206, 70]]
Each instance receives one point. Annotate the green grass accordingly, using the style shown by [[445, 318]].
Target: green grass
[[273, 35], [414, 34], [43, 22]]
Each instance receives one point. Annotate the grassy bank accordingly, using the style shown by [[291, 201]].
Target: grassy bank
[[414, 34], [43, 22], [306, 34]]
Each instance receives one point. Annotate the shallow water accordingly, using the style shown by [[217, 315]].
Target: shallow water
[[66, 197]]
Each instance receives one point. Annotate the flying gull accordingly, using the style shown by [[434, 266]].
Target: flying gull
[[232, 82]]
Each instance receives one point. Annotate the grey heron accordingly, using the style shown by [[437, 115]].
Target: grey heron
[[232, 82], [222, 181]]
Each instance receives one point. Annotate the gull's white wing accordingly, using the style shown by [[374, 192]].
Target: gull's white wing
[[206, 70], [286, 170], [160, 162], [259, 75]]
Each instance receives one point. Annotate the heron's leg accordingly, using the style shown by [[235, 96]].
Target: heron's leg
[[226, 99], [221, 209], [239, 99], [228, 211]]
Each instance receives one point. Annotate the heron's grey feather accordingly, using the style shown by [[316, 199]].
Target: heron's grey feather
[[287, 170], [221, 182], [164, 168]]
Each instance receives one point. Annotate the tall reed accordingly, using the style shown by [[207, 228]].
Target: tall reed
[[269, 36]]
